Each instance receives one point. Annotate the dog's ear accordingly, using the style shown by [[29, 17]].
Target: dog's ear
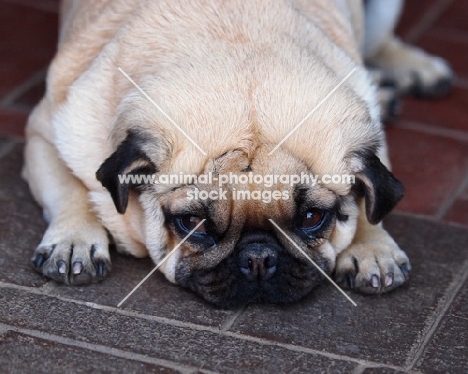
[[128, 159], [380, 188]]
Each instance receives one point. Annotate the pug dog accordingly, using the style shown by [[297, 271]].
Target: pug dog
[[215, 88]]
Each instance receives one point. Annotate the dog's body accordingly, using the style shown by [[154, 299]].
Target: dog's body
[[237, 76]]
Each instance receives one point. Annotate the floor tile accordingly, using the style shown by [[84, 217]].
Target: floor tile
[[21, 223], [381, 328], [23, 354], [430, 167], [455, 16], [32, 96], [382, 371], [156, 297], [447, 113], [411, 15], [28, 43], [208, 349], [43, 5], [447, 352], [12, 123], [459, 211], [449, 44]]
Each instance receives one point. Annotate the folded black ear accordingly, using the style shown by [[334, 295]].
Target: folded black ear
[[381, 189], [115, 172]]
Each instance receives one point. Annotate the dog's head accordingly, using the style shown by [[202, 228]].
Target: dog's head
[[254, 238], [251, 243]]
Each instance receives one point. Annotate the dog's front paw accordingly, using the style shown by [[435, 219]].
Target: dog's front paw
[[73, 258], [372, 267]]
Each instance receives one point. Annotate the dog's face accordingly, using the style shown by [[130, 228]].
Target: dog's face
[[237, 254]]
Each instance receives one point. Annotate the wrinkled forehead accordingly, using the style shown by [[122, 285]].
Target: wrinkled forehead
[[231, 188]]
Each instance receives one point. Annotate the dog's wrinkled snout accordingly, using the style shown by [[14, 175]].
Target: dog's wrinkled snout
[[258, 262]]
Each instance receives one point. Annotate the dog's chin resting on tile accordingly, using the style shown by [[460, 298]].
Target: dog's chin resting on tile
[[208, 88]]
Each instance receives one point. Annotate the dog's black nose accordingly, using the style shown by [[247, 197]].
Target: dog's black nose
[[258, 261]]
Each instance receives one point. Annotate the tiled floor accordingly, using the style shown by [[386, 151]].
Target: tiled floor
[[420, 328], [429, 141]]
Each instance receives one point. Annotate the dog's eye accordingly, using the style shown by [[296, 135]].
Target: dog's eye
[[188, 223], [312, 219]]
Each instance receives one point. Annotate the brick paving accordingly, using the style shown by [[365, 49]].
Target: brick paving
[[421, 328]]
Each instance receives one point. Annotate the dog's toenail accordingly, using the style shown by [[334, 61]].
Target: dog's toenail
[[62, 267], [388, 279], [100, 269], [350, 280], [405, 271], [77, 267], [38, 261], [375, 281]]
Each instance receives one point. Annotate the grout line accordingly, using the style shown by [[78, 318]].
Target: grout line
[[15, 138], [201, 370], [359, 369], [431, 219], [48, 287], [433, 321], [101, 349], [454, 35], [204, 328], [300, 349], [106, 308], [3, 330], [231, 319], [22, 88], [50, 6], [448, 203], [460, 317], [20, 108], [458, 135], [430, 16]]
